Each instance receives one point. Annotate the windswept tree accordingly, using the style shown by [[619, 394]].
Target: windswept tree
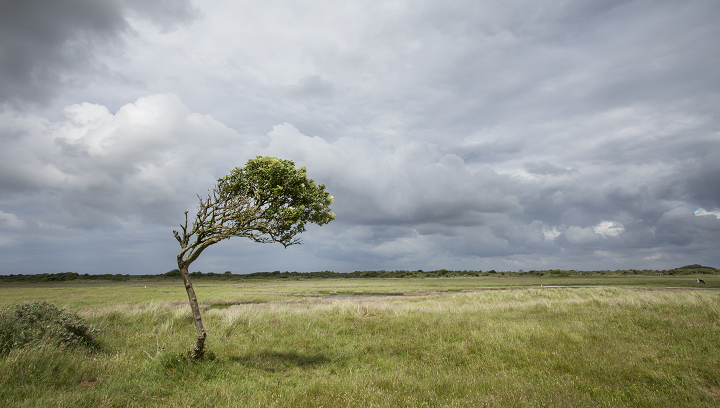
[[267, 200]]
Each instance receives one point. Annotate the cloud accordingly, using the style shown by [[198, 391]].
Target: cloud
[[413, 183], [582, 236], [168, 15], [97, 166], [609, 229], [546, 169], [48, 45], [312, 86], [551, 233], [10, 225], [10, 221], [411, 204], [702, 212], [499, 134]]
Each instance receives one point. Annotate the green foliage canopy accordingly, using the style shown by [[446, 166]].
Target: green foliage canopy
[[284, 195], [267, 200]]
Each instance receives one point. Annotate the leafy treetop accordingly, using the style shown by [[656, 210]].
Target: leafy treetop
[[286, 197], [267, 200]]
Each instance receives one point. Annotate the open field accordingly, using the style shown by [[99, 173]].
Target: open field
[[486, 341]]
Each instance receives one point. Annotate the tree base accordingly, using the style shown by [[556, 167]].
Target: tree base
[[198, 351]]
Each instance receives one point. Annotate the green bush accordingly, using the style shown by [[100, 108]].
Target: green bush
[[175, 273], [38, 323]]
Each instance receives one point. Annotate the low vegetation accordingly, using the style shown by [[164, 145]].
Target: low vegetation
[[496, 341], [383, 274], [42, 324]]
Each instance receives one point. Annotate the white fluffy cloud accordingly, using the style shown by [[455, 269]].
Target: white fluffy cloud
[[609, 229], [144, 160]]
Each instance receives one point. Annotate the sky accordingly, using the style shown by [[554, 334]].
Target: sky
[[478, 135]]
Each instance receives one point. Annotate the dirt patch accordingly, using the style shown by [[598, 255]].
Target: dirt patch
[[713, 391], [88, 383], [224, 304]]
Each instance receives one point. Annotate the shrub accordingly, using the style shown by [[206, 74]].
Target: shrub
[[37, 323], [175, 273]]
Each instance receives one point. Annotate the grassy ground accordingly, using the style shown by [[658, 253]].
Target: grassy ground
[[607, 341]]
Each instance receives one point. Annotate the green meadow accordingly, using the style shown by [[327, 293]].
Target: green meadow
[[487, 341]]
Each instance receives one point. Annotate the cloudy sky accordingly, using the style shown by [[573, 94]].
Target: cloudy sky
[[491, 134]]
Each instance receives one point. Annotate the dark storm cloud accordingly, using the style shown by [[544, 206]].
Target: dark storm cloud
[[702, 178], [623, 211], [554, 59], [47, 45]]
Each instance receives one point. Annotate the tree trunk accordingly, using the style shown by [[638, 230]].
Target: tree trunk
[[197, 351]]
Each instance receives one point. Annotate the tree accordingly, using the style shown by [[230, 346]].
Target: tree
[[267, 200]]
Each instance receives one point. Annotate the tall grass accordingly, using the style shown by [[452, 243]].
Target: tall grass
[[594, 347]]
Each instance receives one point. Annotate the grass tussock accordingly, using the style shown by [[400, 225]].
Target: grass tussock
[[593, 347]]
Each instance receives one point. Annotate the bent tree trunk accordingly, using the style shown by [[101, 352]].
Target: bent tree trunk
[[197, 351]]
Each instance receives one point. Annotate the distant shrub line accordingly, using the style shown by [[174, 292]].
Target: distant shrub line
[[442, 273]]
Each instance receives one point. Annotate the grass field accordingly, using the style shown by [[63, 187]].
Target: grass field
[[457, 342]]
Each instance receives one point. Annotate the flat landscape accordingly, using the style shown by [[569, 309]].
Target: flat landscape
[[496, 341]]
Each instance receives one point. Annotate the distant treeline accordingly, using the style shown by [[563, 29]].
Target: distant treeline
[[442, 273]]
